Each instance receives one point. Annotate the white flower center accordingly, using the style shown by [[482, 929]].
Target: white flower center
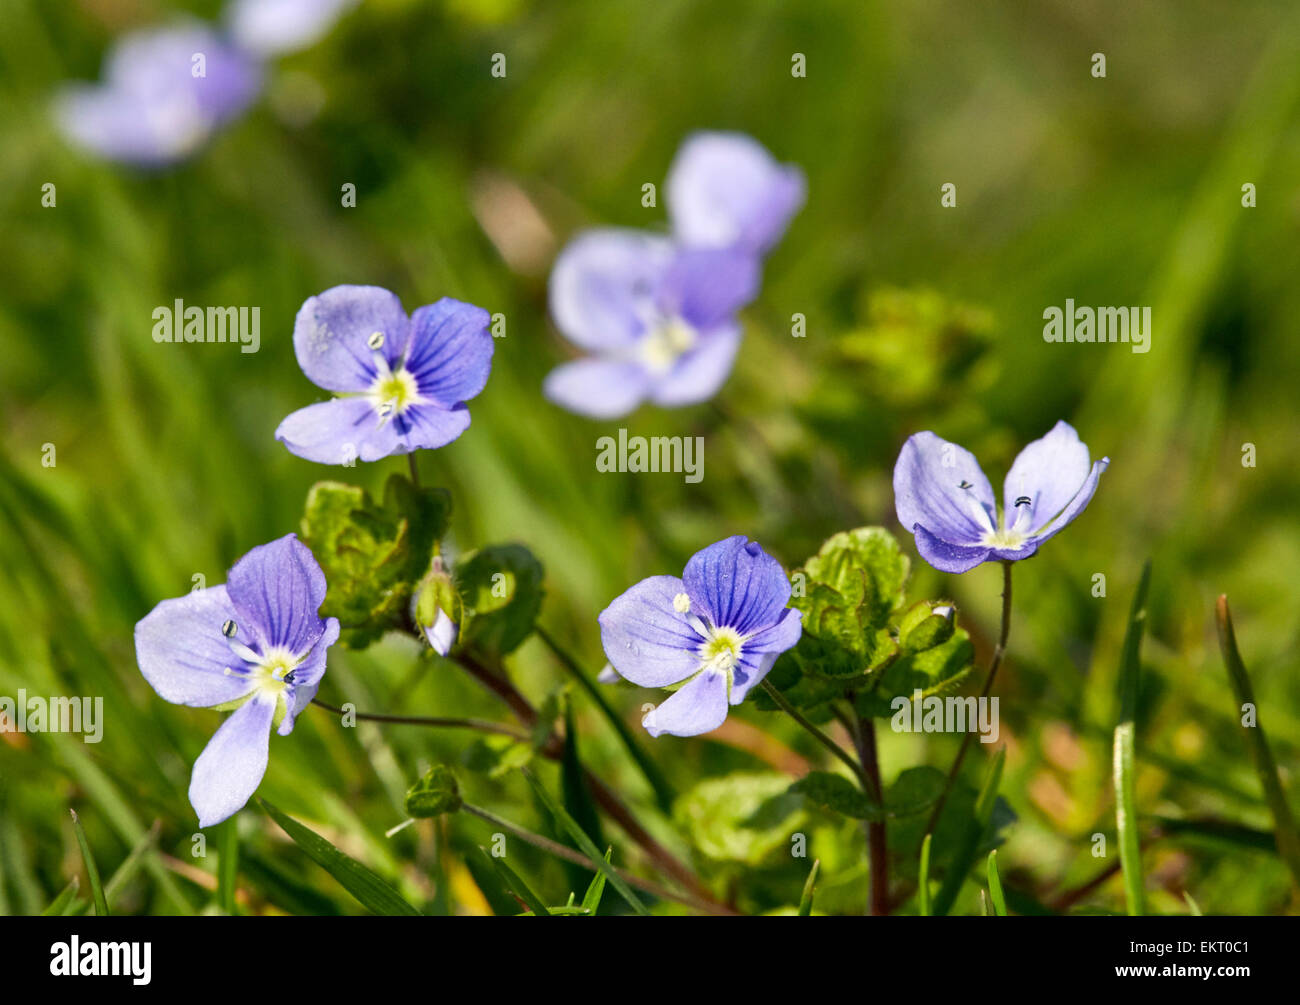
[[393, 392], [721, 650], [664, 342]]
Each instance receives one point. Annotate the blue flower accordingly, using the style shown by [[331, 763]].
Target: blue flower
[[403, 383], [724, 190], [151, 109], [268, 28], [945, 500], [716, 632], [255, 645], [658, 320]]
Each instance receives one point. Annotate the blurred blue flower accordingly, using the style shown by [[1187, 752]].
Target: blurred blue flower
[[658, 319], [402, 383], [255, 645], [716, 631], [267, 28], [945, 500], [724, 190], [164, 92]]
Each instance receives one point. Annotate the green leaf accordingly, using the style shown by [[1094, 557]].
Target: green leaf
[[501, 589], [373, 892], [1130, 852], [835, 792], [914, 791], [92, 871], [60, 904], [995, 886], [809, 886], [744, 817], [496, 756], [435, 794], [975, 827], [516, 883], [372, 553], [585, 844]]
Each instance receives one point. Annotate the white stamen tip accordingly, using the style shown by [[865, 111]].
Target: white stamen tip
[[681, 603], [376, 340]]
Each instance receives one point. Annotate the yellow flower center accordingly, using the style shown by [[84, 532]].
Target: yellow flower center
[[392, 393], [661, 346]]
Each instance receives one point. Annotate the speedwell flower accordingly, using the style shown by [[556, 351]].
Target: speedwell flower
[[255, 645], [724, 190], [276, 27], [945, 500], [658, 320], [716, 631], [402, 383], [164, 92]]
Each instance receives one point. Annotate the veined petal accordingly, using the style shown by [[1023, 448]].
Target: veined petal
[[331, 335], [697, 707], [946, 556], [231, 766], [646, 639], [1076, 505], [779, 636], [699, 373], [737, 584], [338, 431], [307, 676], [183, 654], [726, 190], [605, 284], [748, 672], [450, 353], [1049, 473], [425, 427], [940, 485], [277, 589], [596, 387], [706, 286]]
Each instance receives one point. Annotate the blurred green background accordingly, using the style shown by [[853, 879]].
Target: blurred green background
[[1117, 191]]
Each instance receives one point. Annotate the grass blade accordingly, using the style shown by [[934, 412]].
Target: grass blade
[[1130, 852], [995, 886], [373, 892], [92, 871], [1288, 841], [806, 901], [59, 905], [227, 865], [517, 885], [923, 879], [1192, 905], [591, 899], [584, 843], [969, 847]]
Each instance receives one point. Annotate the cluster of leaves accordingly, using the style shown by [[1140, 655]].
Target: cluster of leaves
[[861, 642]]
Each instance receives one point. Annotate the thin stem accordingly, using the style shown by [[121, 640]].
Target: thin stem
[[877, 851], [482, 725], [821, 737], [415, 469], [577, 858], [996, 662]]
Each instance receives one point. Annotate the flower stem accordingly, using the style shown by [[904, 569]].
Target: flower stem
[[482, 725], [577, 858], [877, 848], [821, 737], [415, 469], [996, 662]]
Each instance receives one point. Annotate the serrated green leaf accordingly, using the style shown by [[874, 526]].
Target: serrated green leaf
[[744, 817], [835, 792], [371, 891], [501, 590]]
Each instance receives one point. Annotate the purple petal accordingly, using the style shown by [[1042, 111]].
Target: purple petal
[[750, 670], [334, 432], [332, 331], [451, 351], [737, 584], [307, 676], [183, 654], [1048, 472], [598, 388], [646, 639], [698, 707], [277, 589], [705, 287], [948, 557], [699, 374], [1076, 505], [426, 427], [231, 766], [274, 27], [604, 286], [725, 190], [928, 480]]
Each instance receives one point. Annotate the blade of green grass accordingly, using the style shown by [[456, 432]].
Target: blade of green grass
[[923, 879], [131, 864], [969, 846], [227, 865], [92, 871], [584, 843], [516, 883], [1130, 852], [591, 899], [809, 886], [995, 886], [60, 903], [1192, 905], [1284, 828], [372, 891]]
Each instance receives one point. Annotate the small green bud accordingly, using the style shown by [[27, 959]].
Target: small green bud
[[434, 794], [436, 608], [927, 625]]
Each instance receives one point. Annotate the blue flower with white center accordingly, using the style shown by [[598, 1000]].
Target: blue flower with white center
[[724, 190], [716, 632], [402, 383], [657, 319], [255, 645], [946, 501]]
